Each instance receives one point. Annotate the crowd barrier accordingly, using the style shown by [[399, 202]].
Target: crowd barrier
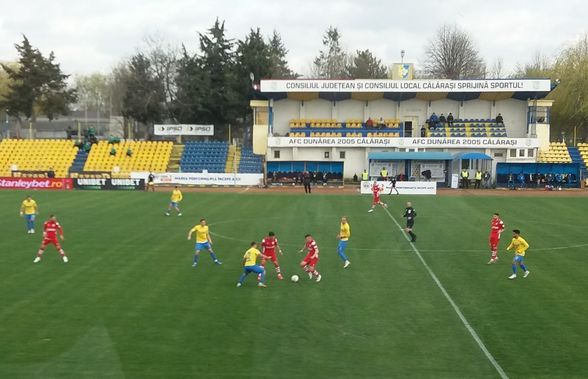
[[404, 188], [106, 184], [206, 179]]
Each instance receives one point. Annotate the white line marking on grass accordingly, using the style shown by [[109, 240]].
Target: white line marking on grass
[[464, 321]]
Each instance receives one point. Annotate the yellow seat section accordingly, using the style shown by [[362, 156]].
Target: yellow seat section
[[37, 155], [557, 153], [146, 156]]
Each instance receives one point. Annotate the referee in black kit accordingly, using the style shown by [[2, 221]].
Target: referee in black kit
[[410, 214], [306, 181], [392, 179]]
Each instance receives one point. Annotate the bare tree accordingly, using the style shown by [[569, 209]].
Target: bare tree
[[164, 57], [497, 70], [540, 66], [452, 54], [332, 61]]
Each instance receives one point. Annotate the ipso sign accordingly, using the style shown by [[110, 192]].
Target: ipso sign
[[183, 130]]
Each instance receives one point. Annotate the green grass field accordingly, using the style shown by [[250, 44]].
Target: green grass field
[[129, 304]]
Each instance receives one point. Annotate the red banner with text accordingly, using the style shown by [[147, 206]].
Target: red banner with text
[[36, 183]]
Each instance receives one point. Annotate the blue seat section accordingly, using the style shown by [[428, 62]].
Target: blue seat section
[[250, 163], [199, 156], [477, 128]]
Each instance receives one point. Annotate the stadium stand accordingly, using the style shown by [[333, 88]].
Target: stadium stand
[[557, 153], [146, 156], [37, 155], [210, 156], [469, 128], [250, 163], [348, 128]]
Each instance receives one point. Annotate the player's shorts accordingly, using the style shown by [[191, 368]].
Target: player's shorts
[[52, 241], [409, 224], [150, 183], [271, 255], [30, 217], [493, 241], [342, 246], [255, 268], [376, 200], [203, 246], [309, 260], [173, 204], [519, 258]]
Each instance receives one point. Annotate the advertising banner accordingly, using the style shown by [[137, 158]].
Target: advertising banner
[[207, 179], [421, 85], [183, 130], [404, 188], [110, 184], [411, 143], [36, 183]]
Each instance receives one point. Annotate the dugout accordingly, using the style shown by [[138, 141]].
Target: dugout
[[412, 165], [538, 175]]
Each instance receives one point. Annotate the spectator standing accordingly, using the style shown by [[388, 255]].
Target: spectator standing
[[478, 179], [434, 119], [511, 181], [521, 179], [486, 177], [499, 120], [384, 174], [365, 176], [423, 131], [450, 119], [306, 181], [369, 123], [442, 120], [465, 178]]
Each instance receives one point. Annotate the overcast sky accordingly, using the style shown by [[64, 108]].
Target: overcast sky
[[89, 36]]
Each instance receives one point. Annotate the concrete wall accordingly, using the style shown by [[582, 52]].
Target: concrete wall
[[514, 113]]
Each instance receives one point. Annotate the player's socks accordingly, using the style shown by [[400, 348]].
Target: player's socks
[[514, 269], [342, 255], [215, 259], [242, 278], [195, 262], [524, 267]]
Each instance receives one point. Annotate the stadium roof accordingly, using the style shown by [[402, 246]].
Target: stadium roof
[[411, 155], [400, 90]]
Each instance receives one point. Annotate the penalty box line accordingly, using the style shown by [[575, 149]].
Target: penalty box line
[[457, 310]]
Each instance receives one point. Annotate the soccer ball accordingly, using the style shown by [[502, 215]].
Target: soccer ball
[[294, 278]]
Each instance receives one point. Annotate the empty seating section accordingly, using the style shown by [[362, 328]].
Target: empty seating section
[[145, 156], [250, 163], [469, 128], [348, 128], [199, 156], [37, 155], [583, 149], [557, 153]]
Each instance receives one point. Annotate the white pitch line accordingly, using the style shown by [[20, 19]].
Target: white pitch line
[[464, 321]]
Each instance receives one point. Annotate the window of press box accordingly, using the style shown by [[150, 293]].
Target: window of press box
[[342, 155], [277, 154], [512, 153], [327, 154]]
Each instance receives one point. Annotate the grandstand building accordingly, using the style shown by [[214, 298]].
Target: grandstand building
[[345, 126]]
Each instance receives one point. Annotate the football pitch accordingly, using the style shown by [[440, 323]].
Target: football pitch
[[129, 304]]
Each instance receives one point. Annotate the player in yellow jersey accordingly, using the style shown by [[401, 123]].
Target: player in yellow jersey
[[203, 242], [250, 265], [29, 210], [174, 201], [343, 236], [520, 247]]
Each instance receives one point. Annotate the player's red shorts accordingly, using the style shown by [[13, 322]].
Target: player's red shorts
[[376, 199], [309, 260], [53, 241], [493, 241], [271, 255]]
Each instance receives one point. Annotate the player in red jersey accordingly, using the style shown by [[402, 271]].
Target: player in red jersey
[[496, 228], [268, 248], [309, 262], [376, 190], [50, 229]]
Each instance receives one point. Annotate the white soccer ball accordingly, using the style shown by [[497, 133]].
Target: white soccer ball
[[294, 278]]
